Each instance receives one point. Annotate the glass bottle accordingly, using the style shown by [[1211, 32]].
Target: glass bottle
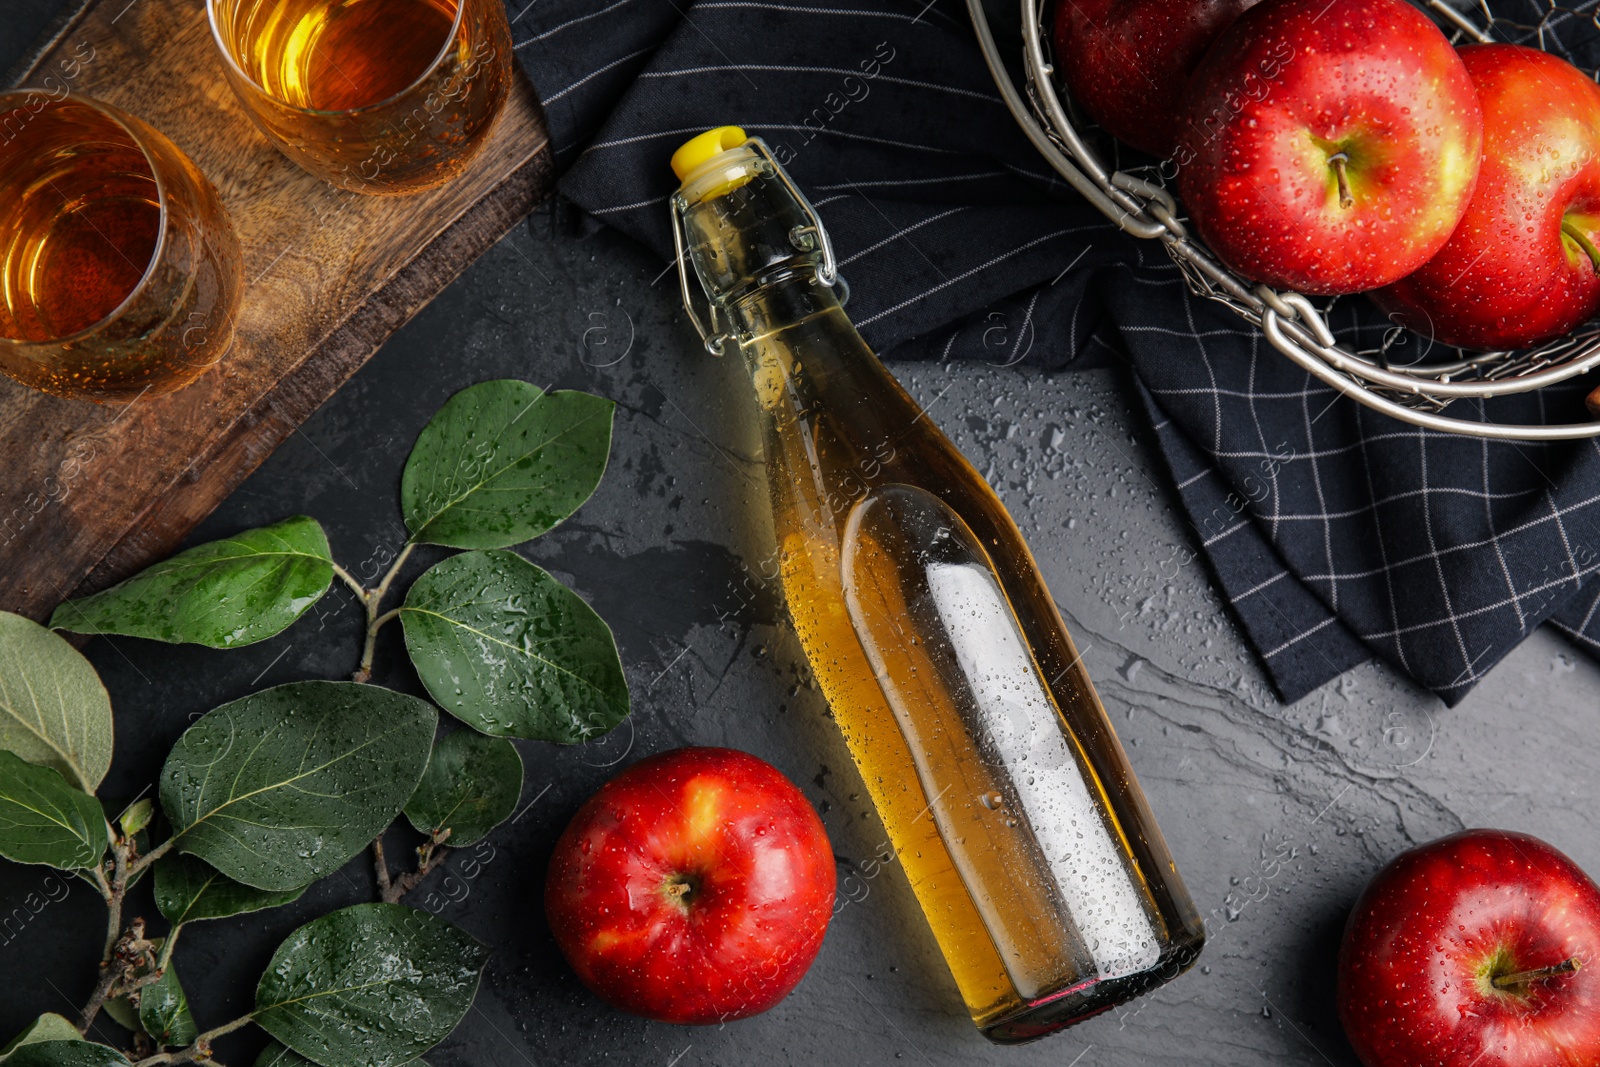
[[1005, 792]]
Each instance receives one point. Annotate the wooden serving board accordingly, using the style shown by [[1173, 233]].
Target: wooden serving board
[[90, 494]]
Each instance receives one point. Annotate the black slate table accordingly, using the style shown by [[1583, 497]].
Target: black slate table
[[1277, 815]]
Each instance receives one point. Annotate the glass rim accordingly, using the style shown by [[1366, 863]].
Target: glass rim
[[427, 72], [120, 118]]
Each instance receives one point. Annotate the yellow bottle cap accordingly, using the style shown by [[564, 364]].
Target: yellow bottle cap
[[697, 151]]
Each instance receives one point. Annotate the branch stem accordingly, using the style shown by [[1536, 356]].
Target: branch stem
[[380, 864], [100, 881], [148, 978], [97, 999], [430, 857], [119, 886], [113, 892], [350, 580], [372, 601], [200, 1051], [167, 948], [374, 624], [394, 569], [150, 857]]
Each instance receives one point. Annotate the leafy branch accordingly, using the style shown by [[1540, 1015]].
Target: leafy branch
[[498, 643], [126, 953]]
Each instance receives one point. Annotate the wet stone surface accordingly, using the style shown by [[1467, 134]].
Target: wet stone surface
[[1277, 815]]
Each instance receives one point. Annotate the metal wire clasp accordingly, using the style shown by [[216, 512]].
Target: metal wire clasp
[[805, 238], [714, 338]]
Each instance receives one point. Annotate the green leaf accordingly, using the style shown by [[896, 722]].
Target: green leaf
[[283, 786], [509, 650], [47, 1027], [275, 1055], [137, 817], [374, 985], [45, 820], [472, 785], [77, 1053], [123, 1014], [164, 1011], [53, 709], [189, 890], [223, 594], [503, 462]]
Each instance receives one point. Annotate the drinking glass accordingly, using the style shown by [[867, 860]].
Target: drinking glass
[[119, 267], [375, 96]]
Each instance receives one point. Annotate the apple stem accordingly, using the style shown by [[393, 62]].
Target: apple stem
[[1524, 978], [1337, 161], [1581, 239], [682, 889]]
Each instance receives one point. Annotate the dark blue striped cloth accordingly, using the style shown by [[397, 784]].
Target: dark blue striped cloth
[[1334, 533]]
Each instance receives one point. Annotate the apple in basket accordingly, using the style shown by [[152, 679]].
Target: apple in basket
[[1127, 62], [1481, 949], [1522, 266], [1329, 147]]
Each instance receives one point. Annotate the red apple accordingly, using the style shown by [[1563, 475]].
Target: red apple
[[1521, 267], [1481, 949], [1329, 147], [1127, 61], [694, 887]]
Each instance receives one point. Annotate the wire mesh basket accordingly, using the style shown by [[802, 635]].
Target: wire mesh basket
[[1294, 324]]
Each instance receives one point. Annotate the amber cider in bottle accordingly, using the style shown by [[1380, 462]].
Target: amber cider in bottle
[[1004, 790]]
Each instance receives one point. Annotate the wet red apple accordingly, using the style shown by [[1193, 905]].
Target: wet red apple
[[1481, 949], [1330, 147], [694, 887], [1522, 267], [1127, 61]]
